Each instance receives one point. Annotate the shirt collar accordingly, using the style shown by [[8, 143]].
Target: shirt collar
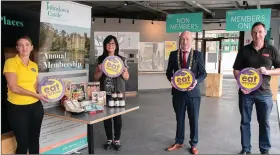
[[188, 50], [19, 60], [265, 44]]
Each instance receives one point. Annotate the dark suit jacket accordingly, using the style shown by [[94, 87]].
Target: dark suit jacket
[[198, 70]]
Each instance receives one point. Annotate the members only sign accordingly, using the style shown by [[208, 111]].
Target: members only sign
[[182, 22], [243, 20]]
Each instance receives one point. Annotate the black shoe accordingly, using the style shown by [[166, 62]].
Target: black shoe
[[265, 152], [108, 145], [117, 145], [244, 152]]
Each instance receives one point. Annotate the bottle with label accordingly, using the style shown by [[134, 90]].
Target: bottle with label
[[120, 95], [111, 102], [121, 99], [117, 103], [114, 95], [122, 103]]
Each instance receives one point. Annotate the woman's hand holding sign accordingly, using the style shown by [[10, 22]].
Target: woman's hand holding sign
[[99, 67], [42, 97], [125, 74]]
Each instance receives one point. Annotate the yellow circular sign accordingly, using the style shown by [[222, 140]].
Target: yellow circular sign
[[183, 79], [53, 88], [250, 79], [113, 66]]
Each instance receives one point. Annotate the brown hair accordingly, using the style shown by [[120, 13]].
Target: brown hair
[[25, 37]]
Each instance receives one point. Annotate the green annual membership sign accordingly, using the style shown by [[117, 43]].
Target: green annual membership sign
[[243, 20], [182, 22]]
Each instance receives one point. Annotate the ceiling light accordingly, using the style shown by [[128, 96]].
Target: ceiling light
[[125, 3]]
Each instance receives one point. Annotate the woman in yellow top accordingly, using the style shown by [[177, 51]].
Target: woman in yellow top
[[25, 110]]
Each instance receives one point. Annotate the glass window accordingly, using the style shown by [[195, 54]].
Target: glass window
[[221, 33], [199, 35], [226, 48]]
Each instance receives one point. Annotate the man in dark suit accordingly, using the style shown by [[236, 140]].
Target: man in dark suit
[[189, 100]]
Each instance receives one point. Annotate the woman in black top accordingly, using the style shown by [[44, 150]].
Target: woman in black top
[[111, 48]]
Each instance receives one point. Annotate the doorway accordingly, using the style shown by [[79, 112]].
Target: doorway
[[219, 48], [212, 54]]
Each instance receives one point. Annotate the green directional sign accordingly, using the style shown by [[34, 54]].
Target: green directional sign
[[243, 20], [182, 22]]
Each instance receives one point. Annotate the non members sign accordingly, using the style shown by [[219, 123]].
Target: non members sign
[[182, 22], [243, 20]]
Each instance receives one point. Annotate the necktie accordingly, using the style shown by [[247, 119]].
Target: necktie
[[185, 55]]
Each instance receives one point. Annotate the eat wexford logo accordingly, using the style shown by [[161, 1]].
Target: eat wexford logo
[[55, 11]]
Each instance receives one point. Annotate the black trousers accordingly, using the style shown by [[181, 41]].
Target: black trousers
[[117, 128], [181, 103], [26, 121]]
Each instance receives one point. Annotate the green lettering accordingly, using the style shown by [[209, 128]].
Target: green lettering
[[13, 23], [47, 5], [8, 22], [4, 19], [21, 24]]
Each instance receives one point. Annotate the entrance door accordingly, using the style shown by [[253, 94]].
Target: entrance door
[[212, 55]]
